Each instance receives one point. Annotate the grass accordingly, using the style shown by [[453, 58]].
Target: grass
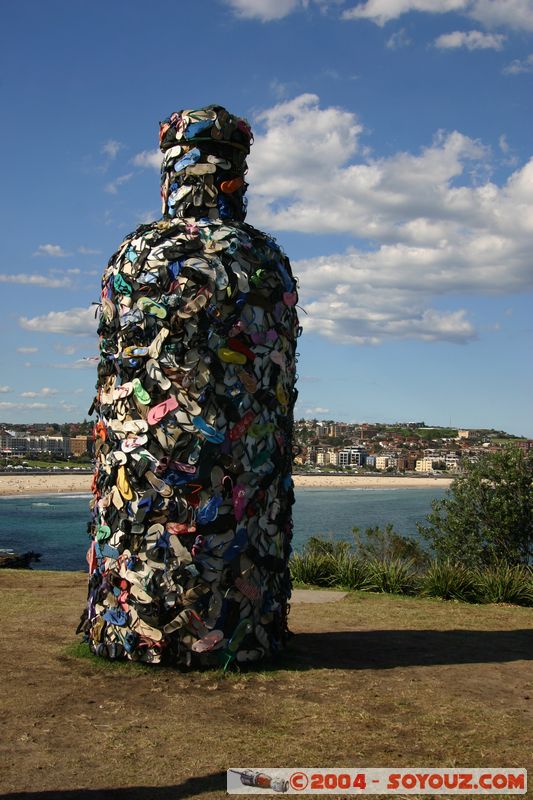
[[374, 679]]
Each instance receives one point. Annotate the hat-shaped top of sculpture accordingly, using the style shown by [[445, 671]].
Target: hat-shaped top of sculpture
[[204, 164]]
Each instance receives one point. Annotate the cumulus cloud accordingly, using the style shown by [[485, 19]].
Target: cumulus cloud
[[113, 186], [428, 226], [5, 389], [382, 11], [471, 40], [46, 391], [80, 363], [54, 250], [398, 40], [264, 10], [519, 66], [111, 148], [515, 14], [88, 251], [22, 406], [27, 349], [75, 322], [317, 410], [66, 349], [45, 281], [148, 158]]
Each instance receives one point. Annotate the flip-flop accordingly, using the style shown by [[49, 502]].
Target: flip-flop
[[210, 433], [155, 373], [208, 642], [140, 393], [149, 306], [157, 413]]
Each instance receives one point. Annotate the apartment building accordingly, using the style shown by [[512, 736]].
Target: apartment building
[[15, 443], [352, 457]]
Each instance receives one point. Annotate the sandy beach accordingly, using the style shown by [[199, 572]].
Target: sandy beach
[[52, 484]]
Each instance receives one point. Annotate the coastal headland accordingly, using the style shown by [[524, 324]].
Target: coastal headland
[[19, 484]]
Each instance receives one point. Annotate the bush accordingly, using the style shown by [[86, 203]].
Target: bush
[[506, 584], [353, 573], [316, 545], [386, 544], [393, 575], [487, 516], [313, 568], [449, 580]]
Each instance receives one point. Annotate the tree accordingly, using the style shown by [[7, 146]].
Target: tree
[[487, 516]]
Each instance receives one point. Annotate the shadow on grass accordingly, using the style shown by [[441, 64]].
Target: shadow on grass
[[387, 649], [192, 787], [380, 649]]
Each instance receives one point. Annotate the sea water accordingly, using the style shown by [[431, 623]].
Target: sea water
[[56, 525]]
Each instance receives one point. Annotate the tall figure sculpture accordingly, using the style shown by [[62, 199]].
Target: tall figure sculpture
[[192, 494]]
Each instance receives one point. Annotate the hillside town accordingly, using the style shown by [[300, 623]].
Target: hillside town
[[321, 446], [402, 447]]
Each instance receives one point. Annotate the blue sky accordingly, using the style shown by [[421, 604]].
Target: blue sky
[[393, 161]]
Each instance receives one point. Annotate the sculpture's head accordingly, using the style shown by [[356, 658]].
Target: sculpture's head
[[204, 164]]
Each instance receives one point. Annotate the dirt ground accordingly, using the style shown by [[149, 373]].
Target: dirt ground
[[369, 681]]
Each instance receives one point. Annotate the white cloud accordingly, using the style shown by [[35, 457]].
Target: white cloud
[[22, 406], [148, 158], [148, 216], [66, 349], [398, 40], [317, 410], [27, 349], [5, 389], [264, 10], [80, 363], [519, 66], [382, 11], [472, 40], [68, 406], [503, 144], [114, 186], [111, 148], [37, 280], [45, 392], [514, 14], [75, 321], [430, 226], [88, 251], [54, 250]]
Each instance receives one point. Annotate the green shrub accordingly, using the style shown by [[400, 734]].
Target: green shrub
[[504, 583], [395, 575], [353, 573], [313, 568], [487, 515], [317, 545], [449, 580], [386, 544]]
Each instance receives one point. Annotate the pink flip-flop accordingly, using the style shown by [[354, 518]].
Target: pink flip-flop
[[157, 413], [208, 642]]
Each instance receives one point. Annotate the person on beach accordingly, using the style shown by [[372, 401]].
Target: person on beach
[[192, 494]]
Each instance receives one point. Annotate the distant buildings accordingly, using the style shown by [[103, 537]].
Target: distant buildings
[[400, 447], [20, 443]]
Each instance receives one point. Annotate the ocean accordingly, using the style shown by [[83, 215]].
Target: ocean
[[56, 525]]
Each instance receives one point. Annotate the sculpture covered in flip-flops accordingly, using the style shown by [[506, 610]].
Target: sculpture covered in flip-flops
[[192, 494]]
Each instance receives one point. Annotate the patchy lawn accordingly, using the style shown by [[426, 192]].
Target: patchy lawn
[[371, 680]]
